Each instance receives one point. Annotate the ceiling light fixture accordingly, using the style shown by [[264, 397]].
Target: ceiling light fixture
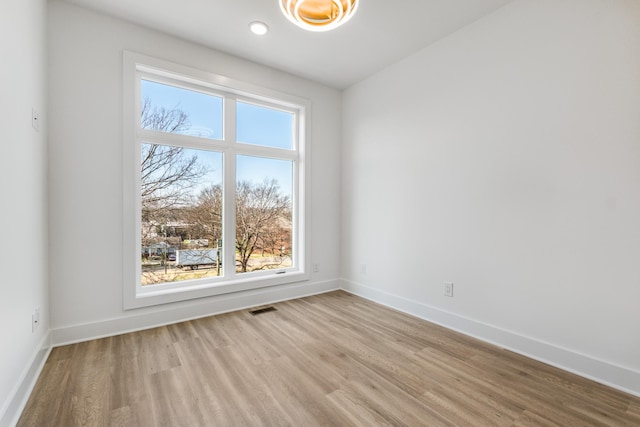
[[318, 15], [259, 28]]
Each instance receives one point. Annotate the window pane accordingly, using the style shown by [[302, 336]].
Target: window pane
[[171, 109], [263, 214], [181, 215], [264, 126]]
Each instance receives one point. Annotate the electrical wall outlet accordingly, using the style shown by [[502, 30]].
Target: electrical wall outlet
[[35, 319], [35, 119], [316, 268], [448, 289], [363, 269]]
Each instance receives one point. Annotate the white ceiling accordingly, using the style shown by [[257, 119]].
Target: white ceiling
[[381, 32]]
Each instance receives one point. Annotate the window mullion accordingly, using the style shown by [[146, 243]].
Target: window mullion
[[229, 198]]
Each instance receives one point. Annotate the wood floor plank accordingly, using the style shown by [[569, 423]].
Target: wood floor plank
[[533, 419], [460, 409], [355, 411], [57, 371], [471, 395], [156, 351], [122, 417], [482, 380], [591, 407], [328, 360], [212, 331], [633, 410], [398, 408], [173, 401], [228, 373]]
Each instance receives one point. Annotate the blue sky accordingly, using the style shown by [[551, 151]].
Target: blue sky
[[254, 125], [204, 111], [263, 126]]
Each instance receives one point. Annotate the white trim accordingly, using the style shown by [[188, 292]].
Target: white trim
[[136, 66], [222, 304], [612, 375], [13, 407]]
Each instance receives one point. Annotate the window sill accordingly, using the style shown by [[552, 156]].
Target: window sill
[[151, 295]]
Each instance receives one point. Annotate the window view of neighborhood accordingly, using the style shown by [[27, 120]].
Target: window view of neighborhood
[[183, 192]]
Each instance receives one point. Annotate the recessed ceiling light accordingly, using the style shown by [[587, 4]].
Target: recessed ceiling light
[[259, 28]]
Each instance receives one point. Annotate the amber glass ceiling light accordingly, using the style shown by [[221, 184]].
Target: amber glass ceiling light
[[318, 15]]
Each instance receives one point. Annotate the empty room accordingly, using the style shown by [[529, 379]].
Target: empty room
[[320, 212]]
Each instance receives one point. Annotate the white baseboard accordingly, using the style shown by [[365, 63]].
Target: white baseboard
[[169, 314], [621, 378], [14, 406]]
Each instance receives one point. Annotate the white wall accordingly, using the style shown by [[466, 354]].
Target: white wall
[[86, 171], [506, 159], [23, 197]]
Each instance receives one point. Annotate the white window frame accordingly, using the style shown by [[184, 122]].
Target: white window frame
[[136, 67]]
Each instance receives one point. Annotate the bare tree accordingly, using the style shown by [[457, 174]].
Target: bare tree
[[259, 207], [167, 172], [276, 238], [162, 119], [205, 217]]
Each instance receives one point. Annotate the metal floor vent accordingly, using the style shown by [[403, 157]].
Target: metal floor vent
[[262, 310]]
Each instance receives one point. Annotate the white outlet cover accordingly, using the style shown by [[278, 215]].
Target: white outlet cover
[[448, 289], [35, 119]]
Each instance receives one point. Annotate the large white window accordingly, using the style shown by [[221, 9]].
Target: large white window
[[214, 184]]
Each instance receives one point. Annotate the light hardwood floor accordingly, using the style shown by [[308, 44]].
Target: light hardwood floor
[[333, 359]]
